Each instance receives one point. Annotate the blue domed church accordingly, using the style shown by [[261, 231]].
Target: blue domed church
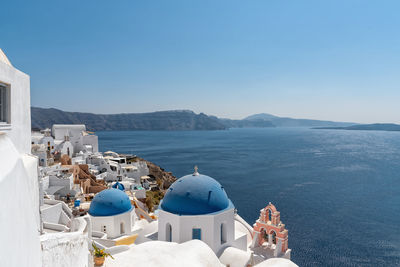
[[111, 212], [196, 206]]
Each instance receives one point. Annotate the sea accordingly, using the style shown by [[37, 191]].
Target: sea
[[338, 191]]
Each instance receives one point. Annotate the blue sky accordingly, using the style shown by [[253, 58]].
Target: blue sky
[[336, 60]]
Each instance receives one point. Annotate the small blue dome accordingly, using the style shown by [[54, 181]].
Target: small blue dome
[[195, 195], [110, 202], [119, 186]]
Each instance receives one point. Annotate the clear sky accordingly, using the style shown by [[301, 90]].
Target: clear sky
[[336, 60]]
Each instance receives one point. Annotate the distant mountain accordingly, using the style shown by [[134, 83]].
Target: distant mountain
[[261, 116], [367, 127], [246, 123], [290, 122], [162, 120], [166, 120]]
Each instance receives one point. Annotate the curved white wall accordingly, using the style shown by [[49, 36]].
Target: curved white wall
[[19, 231]]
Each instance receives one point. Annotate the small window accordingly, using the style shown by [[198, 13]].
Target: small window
[[168, 232], [122, 228], [104, 229], [223, 233], [4, 104], [196, 233]]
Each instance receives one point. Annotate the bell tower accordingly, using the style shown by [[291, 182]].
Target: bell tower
[[270, 234]]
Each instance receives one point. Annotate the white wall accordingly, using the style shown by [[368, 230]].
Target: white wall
[[31, 166], [112, 223], [68, 181], [75, 134], [19, 232], [52, 213], [73, 130], [19, 130], [92, 140], [63, 148], [45, 140], [210, 225], [143, 170], [65, 249], [45, 182]]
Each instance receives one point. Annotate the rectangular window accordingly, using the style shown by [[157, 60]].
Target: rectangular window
[[196, 233], [122, 228], [4, 104], [223, 233]]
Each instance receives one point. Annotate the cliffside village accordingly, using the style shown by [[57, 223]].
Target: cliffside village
[[64, 203], [72, 169]]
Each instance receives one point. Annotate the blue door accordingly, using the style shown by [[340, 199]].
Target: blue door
[[196, 233]]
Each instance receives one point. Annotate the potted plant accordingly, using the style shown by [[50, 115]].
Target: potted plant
[[99, 255]]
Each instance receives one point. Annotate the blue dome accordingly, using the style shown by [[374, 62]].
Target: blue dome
[[110, 202], [195, 195], [119, 186]]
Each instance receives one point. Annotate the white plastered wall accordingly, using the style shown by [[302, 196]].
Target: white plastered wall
[[65, 249], [19, 214], [210, 225], [113, 223], [19, 129]]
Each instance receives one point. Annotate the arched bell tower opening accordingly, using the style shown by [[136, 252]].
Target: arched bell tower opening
[[269, 215], [273, 237]]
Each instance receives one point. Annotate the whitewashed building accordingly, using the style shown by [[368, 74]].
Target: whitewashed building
[[197, 207], [39, 150], [80, 139], [19, 189], [15, 105], [111, 212], [64, 147]]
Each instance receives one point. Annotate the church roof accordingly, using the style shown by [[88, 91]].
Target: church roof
[[110, 202], [195, 194], [119, 186]]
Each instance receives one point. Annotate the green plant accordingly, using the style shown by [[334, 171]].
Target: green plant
[[100, 252]]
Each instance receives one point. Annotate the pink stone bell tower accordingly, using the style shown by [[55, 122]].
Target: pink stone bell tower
[[269, 233]]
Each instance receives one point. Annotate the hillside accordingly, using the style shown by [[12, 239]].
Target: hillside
[[246, 123], [178, 120], [290, 122], [367, 127], [162, 120]]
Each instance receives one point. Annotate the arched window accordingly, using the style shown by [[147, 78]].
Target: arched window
[[269, 215], [168, 232], [223, 233], [122, 228]]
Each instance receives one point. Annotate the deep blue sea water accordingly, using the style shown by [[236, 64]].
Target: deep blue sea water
[[338, 191]]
